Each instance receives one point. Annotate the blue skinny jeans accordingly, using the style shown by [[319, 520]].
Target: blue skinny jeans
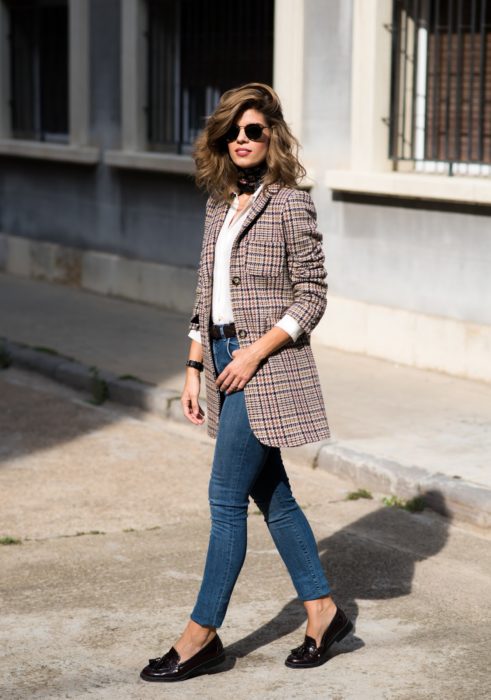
[[242, 467]]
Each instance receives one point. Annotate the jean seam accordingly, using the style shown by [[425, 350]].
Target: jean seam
[[304, 549], [216, 610], [229, 557], [306, 553], [288, 508], [228, 346]]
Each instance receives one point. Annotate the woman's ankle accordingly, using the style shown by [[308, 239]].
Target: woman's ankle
[[319, 606], [199, 633]]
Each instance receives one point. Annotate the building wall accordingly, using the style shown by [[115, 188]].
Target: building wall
[[428, 260], [432, 262], [155, 217], [395, 267], [327, 86]]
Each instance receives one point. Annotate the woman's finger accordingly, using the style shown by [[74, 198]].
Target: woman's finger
[[239, 383], [191, 409], [227, 384], [187, 409], [224, 379], [195, 405]]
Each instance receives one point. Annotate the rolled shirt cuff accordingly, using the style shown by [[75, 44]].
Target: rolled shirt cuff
[[195, 335], [290, 325]]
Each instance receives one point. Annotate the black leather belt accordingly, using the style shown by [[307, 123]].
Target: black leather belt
[[228, 330]]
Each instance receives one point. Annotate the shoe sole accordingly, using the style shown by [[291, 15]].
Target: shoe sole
[[193, 672], [340, 635]]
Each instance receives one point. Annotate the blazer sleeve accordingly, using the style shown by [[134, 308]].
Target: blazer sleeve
[[194, 320], [305, 259]]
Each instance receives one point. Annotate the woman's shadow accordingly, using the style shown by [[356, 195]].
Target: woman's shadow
[[373, 558]]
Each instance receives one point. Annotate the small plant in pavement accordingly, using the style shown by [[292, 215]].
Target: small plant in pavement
[[43, 348], [100, 390], [361, 493], [50, 351], [5, 357], [413, 505], [132, 378], [7, 539]]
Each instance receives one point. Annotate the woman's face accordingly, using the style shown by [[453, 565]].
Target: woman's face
[[244, 152]]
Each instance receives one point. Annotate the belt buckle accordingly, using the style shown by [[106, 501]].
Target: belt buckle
[[228, 329], [214, 331]]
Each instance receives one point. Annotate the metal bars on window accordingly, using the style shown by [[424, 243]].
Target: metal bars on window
[[197, 49], [39, 69], [441, 85]]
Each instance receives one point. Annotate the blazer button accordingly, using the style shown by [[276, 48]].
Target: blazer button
[[236, 280], [242, 333]]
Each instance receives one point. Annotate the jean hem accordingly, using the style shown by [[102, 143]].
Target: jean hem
[[203, 623], [315, 596]]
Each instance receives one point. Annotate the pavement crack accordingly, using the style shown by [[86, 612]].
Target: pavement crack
[[90, 533]]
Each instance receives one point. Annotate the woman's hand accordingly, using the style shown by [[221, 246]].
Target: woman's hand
[[238, 372], [246, 360], [189, 398]]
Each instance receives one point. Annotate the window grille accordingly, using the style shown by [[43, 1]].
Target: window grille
[[441, 86], [196, 50], [39, 69]]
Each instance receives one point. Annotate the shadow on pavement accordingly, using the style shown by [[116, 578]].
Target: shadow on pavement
[[373, 558], [35, 420]]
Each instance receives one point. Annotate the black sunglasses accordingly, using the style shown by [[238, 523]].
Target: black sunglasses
[[253, 132]]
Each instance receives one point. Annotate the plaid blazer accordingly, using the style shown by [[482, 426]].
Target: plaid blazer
[[276, 267]]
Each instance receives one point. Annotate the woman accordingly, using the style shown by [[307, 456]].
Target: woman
[[261, 290]]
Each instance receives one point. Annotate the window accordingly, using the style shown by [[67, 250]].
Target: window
[[196, 50], [440, 116], [39, 69]]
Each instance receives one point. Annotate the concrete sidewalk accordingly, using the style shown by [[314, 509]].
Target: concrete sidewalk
[[109, 508], [395, 430]]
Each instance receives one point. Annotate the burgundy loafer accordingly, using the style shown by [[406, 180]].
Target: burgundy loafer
[[308, 655], [169, 667]]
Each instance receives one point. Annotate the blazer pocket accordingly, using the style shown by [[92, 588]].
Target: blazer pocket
[[265, 256]]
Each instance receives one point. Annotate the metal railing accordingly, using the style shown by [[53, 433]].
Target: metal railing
[[441, 85], [196, 50]]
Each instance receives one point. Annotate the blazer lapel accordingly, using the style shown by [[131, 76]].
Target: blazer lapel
[[262, 199], [219, 217], [216, 224]]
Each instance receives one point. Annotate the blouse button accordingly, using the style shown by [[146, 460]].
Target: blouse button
[[242, 333], [236, 280]]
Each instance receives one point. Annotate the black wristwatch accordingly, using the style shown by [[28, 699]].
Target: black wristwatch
[[195, 364]]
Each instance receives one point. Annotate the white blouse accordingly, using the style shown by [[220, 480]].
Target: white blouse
[[221, 303]]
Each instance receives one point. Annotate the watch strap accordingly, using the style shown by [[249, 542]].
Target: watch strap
[[195, 364]]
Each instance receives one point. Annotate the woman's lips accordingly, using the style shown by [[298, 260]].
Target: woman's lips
[[242, 152]]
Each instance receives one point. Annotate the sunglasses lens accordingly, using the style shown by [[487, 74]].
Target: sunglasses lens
[[253, 132], [232, 133]]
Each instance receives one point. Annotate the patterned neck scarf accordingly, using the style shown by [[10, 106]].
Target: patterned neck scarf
[[249, 179]]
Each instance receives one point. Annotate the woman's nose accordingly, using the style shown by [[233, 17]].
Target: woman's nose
[[242, 138]]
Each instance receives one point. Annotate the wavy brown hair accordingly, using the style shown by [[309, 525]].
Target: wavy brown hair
[[215, 171]]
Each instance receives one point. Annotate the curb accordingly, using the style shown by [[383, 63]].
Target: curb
[[67, 370], [454, 498]]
